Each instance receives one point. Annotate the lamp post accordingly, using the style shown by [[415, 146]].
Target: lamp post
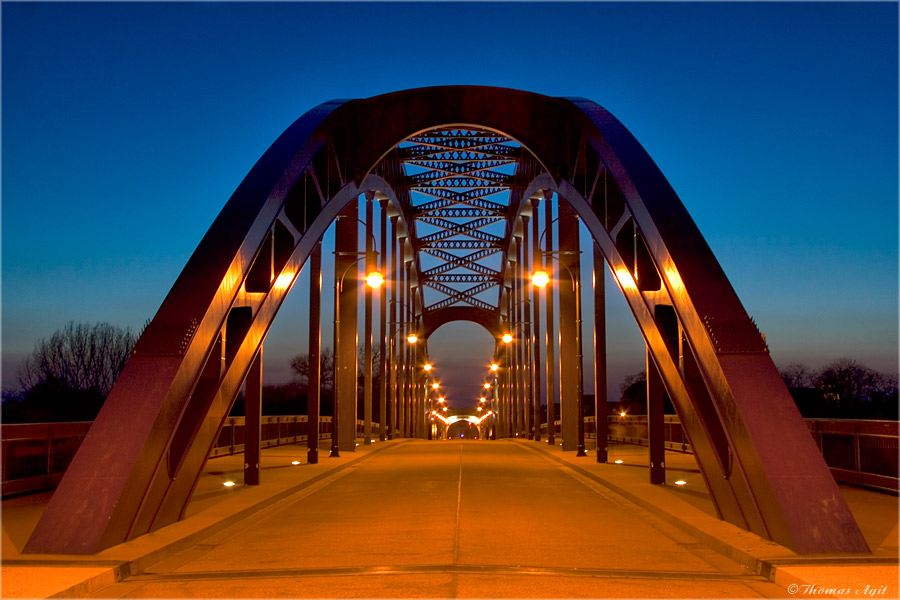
[[373, 279]]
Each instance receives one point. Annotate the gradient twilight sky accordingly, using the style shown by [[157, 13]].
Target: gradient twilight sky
[[127, 126]]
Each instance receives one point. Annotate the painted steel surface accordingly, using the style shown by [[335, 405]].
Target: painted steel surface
[[137, 467]]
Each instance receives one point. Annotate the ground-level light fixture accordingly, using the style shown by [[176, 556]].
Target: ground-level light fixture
[[619, 462], [412, 338], [507, 338], [680, 482], [228, 484], [622, 414], [495, 367], [374, 279], [540, 278]]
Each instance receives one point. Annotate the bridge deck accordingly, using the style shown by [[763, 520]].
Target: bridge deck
[[449, 519]]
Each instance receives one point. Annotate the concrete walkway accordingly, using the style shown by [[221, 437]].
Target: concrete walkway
[[452, 519]]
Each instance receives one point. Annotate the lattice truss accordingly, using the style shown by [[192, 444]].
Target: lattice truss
[[459, 182]]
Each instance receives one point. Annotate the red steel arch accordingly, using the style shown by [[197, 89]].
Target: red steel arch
[[137, 467]]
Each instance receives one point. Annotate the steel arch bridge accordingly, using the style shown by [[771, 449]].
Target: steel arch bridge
[[460, 171]]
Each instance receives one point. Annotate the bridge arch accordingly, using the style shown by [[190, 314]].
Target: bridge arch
[[193, 357]]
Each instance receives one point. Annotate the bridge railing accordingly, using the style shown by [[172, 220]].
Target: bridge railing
[[865, 453], [36, 455], [858, 452]]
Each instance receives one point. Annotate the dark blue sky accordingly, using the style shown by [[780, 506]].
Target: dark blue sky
[[127, 126]]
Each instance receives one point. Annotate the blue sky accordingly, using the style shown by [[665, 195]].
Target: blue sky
[[126, 127]]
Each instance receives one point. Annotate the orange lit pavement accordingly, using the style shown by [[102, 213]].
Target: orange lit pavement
[[451, 519]]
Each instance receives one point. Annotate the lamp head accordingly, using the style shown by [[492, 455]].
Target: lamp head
[[540, 278], [374, 279]]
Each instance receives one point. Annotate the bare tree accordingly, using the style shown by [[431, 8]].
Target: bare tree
[[846, 382], [797, 375], [84, 356], [300, 367]]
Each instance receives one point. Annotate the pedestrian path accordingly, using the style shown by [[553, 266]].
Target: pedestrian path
[[458, 525]]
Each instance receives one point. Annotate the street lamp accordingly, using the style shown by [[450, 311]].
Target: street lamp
[[412, 338], [373, 280], [495, 367], [507, 338], [428, 367], [540, 279], [435, 385]]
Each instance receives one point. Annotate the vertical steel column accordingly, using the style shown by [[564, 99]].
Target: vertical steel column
[[410, 356], [536, 262], [515, 393], [367, 327], [551, 341], [519, 341], [395, 288], [600, 410], [314, 382], [253, 420], [526, 331], [382, 327], [402, 359], [656, 422], [418, 373], [568, 325], [346, 368]]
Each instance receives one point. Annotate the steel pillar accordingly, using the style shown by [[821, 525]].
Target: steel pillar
[[524, 337], [403, 348], [345, 354], [253, 420], [382, 328], [600, 394], [656, 422], [410, 358], [536, 262], [566, 274], [551, 341], [367, 326], [392, 333], [314, 380]]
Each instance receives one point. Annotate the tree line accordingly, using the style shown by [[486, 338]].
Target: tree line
[[842, 389], [68, 376]]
